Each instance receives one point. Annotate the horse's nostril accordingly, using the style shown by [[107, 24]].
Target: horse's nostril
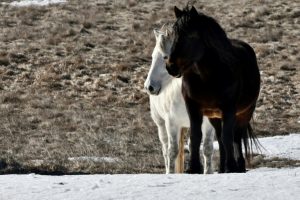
[[151, 89]]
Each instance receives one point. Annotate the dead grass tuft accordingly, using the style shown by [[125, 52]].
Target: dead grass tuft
[[71, 80], [11, 99]]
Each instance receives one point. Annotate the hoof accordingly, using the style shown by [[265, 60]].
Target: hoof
[[232, 167], [195, 170], [191, 171], [221, 169], [241, 170], [235, 171], [241, 166]]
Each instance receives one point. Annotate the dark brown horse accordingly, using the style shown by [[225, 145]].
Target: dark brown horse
[[221, 80]]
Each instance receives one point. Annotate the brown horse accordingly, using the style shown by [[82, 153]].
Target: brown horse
[[221, 80]]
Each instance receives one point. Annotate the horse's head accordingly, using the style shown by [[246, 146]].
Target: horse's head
[[158, 76], [194, 34], [187, 47]]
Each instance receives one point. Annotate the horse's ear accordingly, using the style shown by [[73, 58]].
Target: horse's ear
[[156, 33], [178, 12], [193, 12], [167, 33]]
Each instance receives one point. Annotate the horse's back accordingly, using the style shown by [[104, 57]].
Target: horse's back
[[250, 77], [246, 59]]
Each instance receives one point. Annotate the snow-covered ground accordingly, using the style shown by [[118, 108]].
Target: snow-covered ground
[[262, 183], [274, 184], [23, 3]]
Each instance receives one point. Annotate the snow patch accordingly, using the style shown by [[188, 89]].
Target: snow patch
[[287, 146], [283, 146], [24, 3], [95, 159]]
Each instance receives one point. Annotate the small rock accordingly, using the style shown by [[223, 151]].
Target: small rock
[[56, 86], [84, 30], [270, 79], [123, 79], [18, 58], [60, 53], [10, 73], [286, 67], [87, 25], [4, 61], [66, 76], [90, 45]]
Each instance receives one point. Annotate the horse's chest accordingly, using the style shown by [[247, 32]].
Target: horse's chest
[[202, 93], [207, 96]]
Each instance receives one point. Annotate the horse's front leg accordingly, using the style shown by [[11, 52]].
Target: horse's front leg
[[174, 137], [229, 121], [195, 166], [163, 136]]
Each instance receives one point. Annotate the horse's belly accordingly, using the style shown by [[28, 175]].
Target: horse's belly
[[243, 114], [212, 113]]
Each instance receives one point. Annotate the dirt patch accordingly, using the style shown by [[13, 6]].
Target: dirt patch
[[71, 79]]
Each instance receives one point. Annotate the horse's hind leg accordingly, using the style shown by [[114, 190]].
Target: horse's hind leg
[[208, 148], [179, 166], [227, 136], [217, 124], [239, 134]]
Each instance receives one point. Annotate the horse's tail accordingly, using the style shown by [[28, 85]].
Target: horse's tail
[[250, 139], [180, 156]]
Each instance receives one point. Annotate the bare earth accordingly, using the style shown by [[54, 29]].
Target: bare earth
[[71, 80]]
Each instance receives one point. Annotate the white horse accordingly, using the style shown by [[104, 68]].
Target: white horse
[[168, 110]]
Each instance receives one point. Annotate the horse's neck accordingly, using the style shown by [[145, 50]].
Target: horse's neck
[[170, 97], [173, 87], [211, 60], [211, 67]]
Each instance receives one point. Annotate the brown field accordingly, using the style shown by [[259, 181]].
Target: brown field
[[71, 80]]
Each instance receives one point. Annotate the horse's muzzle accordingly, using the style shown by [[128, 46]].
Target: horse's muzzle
[[152, 90]]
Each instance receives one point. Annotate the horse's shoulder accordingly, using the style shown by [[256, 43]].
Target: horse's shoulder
[[240, 45], [237, 42]]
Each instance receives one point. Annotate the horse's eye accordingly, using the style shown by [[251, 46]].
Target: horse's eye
[[165, 57]]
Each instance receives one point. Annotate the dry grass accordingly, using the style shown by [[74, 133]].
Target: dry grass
[[71, 80]]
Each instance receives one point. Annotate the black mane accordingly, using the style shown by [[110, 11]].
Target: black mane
[[208, 29]]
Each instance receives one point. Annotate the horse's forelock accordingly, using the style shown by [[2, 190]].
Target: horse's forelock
[[162, 44], [166, 33], [166, 28], [210, 31], [185, 22]]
